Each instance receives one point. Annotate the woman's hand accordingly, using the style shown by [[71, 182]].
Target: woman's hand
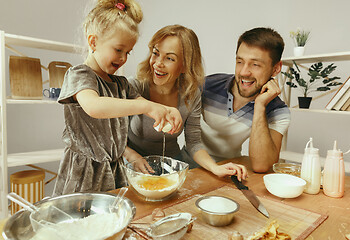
[[229, 169], [141, 165]]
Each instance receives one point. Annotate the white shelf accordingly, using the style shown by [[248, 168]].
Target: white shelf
[[20, 159], [35, 157], [30, 101], [329, 57], [23, 41], [325, 111]]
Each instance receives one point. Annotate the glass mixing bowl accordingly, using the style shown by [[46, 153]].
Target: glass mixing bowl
[[163, 183], [288, 168]]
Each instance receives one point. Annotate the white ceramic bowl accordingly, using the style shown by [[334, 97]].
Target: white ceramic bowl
[[284, 185]]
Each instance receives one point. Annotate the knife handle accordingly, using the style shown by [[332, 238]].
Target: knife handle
[[238, 183]]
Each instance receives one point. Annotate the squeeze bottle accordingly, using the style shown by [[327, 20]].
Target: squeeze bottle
[[311, 169], [334, 173]]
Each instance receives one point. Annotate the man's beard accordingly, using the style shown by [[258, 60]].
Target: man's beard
[[246, 95]]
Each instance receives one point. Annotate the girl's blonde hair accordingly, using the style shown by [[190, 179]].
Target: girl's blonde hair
[[107, 15], [193, 76]]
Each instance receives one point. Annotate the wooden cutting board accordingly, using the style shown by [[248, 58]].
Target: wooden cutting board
[[296, 222], [56, 73], [25, 78]]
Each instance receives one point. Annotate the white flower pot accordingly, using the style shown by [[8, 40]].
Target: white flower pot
[[299, 51]]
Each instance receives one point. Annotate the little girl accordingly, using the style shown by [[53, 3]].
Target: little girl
[[97, 103]]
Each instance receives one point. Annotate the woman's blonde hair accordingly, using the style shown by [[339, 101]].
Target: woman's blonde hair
[[103, 19], [193, 76]]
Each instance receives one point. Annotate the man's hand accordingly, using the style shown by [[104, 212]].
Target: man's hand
[[268, 92]]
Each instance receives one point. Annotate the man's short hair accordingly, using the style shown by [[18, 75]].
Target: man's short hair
[[264, 38]]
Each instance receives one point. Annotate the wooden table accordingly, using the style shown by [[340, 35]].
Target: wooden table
[[200, 181]]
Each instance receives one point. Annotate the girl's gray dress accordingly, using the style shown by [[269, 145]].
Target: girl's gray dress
[[94, 147]]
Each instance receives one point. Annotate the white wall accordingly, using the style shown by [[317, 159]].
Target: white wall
[[218, 25]]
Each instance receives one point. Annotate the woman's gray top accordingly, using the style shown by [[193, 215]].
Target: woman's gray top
[[146, 141]]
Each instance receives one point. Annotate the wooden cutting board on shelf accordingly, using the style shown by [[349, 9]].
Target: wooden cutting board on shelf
[[56, 73], [25, 78], [298, 223]]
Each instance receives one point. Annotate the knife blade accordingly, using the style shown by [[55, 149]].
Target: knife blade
[[250, 196]]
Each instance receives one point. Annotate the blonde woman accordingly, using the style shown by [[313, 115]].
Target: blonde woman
[[173, 75]]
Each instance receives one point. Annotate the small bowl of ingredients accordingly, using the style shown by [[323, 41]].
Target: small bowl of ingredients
[[287, 168], [217, 210]]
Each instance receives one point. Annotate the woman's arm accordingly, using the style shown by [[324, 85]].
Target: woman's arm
[[204, 160]]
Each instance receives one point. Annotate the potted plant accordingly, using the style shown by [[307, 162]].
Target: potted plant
[[300, 37], [316, 73]]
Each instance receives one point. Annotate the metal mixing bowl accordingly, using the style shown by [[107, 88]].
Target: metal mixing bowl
[[172, 173], [77, 205], [217, 211]]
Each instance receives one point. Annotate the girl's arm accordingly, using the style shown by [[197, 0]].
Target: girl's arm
[[108, 107]]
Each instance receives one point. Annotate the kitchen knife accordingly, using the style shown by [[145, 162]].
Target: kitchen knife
[[250, 196]]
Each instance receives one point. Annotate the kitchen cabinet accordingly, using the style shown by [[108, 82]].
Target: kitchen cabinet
[[7, 41], [286, 96]]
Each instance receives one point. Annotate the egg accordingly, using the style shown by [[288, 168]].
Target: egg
[[155, 187], [167, 127]]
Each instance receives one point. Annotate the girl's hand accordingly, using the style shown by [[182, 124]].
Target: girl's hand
[[162, 114], [175, 120], [229, 169]]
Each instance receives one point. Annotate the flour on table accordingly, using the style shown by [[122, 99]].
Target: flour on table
[[93, 227]]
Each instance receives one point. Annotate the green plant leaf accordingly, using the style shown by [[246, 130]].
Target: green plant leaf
[[302, 82], [332, 84], [323, 89], [288, 75], [317, 67], [291, 84], [328, 70], [314, 74], [327, 80]]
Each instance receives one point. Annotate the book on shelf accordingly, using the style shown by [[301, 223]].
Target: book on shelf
[[342, 100], [343, 88], [346, 106]]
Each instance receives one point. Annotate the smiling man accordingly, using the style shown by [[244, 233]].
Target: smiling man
[[245, 105]]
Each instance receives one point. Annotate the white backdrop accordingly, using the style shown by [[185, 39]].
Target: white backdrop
[[218, 25]]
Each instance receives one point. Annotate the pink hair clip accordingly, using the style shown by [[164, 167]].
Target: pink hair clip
[[120, 6]]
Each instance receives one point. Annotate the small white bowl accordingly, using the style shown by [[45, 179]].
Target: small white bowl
[[284, 185]]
